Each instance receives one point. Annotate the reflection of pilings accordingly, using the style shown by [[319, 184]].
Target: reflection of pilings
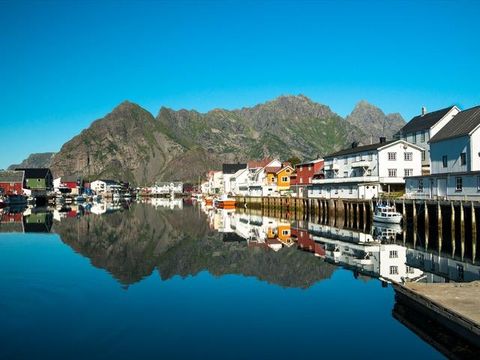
[[474, 232], [439, 226], [364, 216], [462, 231], [426, 225], [452, 226]]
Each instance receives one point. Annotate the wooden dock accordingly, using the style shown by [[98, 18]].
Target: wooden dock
[[454, 305]]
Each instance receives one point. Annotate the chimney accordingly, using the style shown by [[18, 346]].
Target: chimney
[[383, 140], [424, 110], [354, 144]]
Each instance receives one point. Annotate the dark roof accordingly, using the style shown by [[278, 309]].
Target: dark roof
[[309, 162], [232, 168], [35, 173], [461, 125], [426, 121], [358, 149], [11, 176]]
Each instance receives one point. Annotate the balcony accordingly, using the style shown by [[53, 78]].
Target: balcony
[[365, 164], [332, 167]]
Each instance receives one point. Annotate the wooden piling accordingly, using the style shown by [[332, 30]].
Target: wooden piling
[[474, 232], [426, 225], [462, 230], [452, 226], [440, 227]]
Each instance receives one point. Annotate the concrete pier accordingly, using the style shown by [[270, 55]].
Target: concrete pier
[[454, 305]]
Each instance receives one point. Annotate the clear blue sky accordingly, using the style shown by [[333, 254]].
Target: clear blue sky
[[63, 64]]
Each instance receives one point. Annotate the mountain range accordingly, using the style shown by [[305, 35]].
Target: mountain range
[[131, 144]]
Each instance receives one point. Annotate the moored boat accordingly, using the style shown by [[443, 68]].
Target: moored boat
[[225, 202], [387, 213]]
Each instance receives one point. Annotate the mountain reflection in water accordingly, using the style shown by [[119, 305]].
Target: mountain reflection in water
[[132, 240], [177, 238]]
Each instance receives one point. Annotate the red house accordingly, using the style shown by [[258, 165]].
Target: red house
[[11, 182], [304, 174]]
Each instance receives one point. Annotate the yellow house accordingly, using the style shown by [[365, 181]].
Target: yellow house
[[285, 234], [283, 178]]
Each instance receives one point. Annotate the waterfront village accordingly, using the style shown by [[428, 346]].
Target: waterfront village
[[436, 156], [433, 160]]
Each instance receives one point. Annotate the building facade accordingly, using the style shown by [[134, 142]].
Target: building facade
[[366, 172], [455, 161], [420, 129]]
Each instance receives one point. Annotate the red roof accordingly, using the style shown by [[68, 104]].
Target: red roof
[[272, 169], [259, 164]]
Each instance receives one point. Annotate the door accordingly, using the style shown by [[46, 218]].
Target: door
[[442, 187]]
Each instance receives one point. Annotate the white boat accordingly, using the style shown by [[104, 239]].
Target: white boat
[[387, 213]]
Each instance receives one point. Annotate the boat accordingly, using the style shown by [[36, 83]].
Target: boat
[[15, 200], [386, 213], [208, 200], [224, 202], [386, 231]]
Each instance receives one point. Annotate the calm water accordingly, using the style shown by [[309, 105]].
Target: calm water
[[170, 280]]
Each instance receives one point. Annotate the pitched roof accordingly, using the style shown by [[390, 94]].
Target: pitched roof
[[358, 149], [461, 125], [259, 164], [272, 169], [11, 176], [426, 121], [35, 173], [311, 162], [232, 168]]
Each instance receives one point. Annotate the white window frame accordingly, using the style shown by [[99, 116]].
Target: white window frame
[[408, 156], [392, 156]]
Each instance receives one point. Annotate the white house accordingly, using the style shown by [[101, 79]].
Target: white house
[[420, 129], [104, 186], [252, 181], [228, 171], [239, 182], [364, 172], [455, 161], [161, 188]]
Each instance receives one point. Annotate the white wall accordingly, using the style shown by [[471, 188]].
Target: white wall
[[400, 163], [452, 148]]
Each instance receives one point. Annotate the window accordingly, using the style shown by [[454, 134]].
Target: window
[[459, 183], [409, 270], [284, 178], [309, 179], [309, 168], [408, 172], [392, 156], [420, 185], [350, 190], [392, 172], [444, 161], [370, 157], [336, 190], [422, 136], [285, 232], [358, 158], [408, 156], [369, 172], [345, 174], [301, 180], [463, 158], [424, 155], [393, 254], [393, 270]]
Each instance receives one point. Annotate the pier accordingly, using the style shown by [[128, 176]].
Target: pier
[[454, 305]]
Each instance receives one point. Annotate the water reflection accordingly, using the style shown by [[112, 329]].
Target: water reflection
[[131, 240]]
